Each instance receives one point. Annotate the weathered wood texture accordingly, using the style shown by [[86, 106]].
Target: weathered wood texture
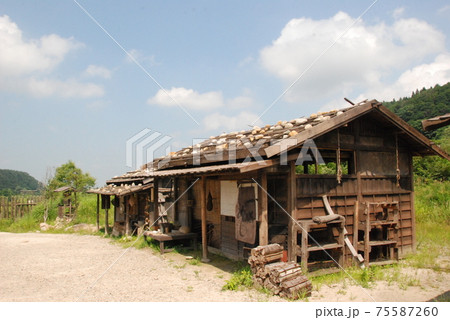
[[213, 214], [281, 278], [17, 206]]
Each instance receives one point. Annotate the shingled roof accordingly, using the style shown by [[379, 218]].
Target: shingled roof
[[239, 142], [270, 140]]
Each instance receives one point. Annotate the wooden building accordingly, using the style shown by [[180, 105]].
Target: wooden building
[[333, 188], [131, 197]]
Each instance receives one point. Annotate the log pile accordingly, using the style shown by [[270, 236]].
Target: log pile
[[281, 278]]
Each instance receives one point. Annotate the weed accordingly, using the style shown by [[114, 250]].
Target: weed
[[241, 278], [189, 289], [180, 266], [195, 262]]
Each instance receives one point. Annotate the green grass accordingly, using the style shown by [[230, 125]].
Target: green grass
[[432, 202], [241, 279]]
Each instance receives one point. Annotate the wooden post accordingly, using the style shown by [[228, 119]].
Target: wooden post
[[203, 214], [98, 212], [263, 219], [413, 208], [182, 205], [292, 195], [127, 222], [106, 222], [155, 214]]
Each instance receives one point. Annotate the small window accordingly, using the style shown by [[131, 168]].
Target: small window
[[329, 167]]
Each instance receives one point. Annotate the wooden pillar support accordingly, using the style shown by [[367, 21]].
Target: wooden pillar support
[[182, 205], [203, 214], [155, 214], [127, 221], [292, 197], [106, 222], [98, 212], [263, 220]]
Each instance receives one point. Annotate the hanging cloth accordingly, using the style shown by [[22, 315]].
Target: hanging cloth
[[245, 223]]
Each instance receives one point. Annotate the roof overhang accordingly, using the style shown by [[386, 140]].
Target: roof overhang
[[352, 114], [215, 169], [436, 122]]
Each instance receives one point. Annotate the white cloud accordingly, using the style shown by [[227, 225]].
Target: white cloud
[[139, 56], [398, 12], [66, 89], [19, 56], [243, 120], [97, 71], [444, 9], [418, 77], [187, 98], [26, 65], [364, 56], [240, 102]]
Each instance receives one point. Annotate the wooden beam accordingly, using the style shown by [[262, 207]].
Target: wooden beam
[[413, 208], [155, 215], [291, 204], [127, 221], [106, 222], [259, 165], [263, 217], [203, 216], [98, 212]]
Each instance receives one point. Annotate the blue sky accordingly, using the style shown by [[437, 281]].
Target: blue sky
[[192, 69]]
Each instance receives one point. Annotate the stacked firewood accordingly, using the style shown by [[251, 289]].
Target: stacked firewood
[[282, 278]]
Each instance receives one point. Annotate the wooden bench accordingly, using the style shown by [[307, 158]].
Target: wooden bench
[[172, 236]]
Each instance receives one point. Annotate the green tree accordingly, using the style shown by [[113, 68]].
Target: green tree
[[69, 175]]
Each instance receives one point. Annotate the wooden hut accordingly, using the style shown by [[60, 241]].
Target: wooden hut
[[132, 198], [66, 207], [335, 187]]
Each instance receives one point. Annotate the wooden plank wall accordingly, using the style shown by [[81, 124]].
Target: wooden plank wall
[[342, 198]]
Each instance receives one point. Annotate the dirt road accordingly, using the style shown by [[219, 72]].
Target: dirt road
[[69, 267]]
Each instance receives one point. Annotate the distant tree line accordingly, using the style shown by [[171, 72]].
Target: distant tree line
[[14, 182], [424, 104]]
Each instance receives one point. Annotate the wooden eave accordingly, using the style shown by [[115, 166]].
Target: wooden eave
[[436, 122], [214, 169]]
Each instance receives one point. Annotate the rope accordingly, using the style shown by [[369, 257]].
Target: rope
[[338, 157], [397, 170]]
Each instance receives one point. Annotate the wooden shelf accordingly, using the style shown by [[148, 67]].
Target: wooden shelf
[[376, 243], [389, 229], [326, 246], [362, 225], [305, 226]]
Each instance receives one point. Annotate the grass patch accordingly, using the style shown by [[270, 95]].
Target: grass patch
[[432, 202], [367, 277], [241, 279]]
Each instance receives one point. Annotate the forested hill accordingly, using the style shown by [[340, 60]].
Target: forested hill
[[12, 181], [423, 104]]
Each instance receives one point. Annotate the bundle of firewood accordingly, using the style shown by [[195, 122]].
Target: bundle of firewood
[[282, 278]]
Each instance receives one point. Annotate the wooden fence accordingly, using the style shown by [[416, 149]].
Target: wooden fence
[[17, 206]]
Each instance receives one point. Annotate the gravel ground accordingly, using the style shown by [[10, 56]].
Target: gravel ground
[[65, 267], [71, 267]]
